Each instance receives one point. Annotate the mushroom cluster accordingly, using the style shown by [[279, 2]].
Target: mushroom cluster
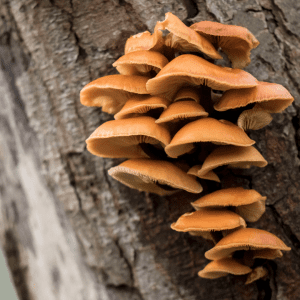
[[178, 118]]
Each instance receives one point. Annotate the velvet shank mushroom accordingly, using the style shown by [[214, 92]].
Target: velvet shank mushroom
[[188, 93], [235, 41], [249, 204], [126, 138], [210, 175], [207, 130], [245, 239], [191, 70], [222, 267], [140, 63], [112, 91], [155, 176]]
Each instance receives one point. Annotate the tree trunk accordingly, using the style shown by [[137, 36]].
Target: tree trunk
[[71, 232]]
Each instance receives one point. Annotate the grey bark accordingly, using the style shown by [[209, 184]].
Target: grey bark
[[68, 230]]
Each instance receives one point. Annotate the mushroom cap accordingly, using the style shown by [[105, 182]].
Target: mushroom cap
[[141, 105], [267, 253], [235, 41], [180, 110], [257, 273], [249, 204], [121, 138], [209, 175], [254, 119], [189, 69], [205, 220], [140, 62], [145, 41], [184, 38], [188, 93], [239, 157], [112, 91], [207, 130], [222, 267], [245, 239], [143, 174], [271, 97]]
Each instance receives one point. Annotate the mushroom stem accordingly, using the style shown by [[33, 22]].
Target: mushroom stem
[[206, 101], [216, 236]]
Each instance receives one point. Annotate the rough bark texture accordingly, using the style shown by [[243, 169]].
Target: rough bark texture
[[71, 232]]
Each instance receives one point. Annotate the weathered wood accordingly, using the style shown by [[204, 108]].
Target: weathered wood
[[71, 232]]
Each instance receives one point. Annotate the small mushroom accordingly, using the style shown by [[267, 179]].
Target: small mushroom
[[155, 176], [254, 119], [141, 104], [245, 239], [236, 157], [210, 175], [184, 38], [182, 110], [222, 267], [207, 130], [235, 41], [270, 97], [191, 70], [126, 138], [145, 41], [112, 91], [188, 93], [140, 63], [207, 223], [249, 204]]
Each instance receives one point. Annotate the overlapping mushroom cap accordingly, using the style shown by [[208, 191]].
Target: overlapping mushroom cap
[[245, 239], [207, 130], [123, 138], [192, 70], [112, 91], [156, 176], [184, 38], [237, 157], [249, 204], [140, 62], [235, 41], [222, 267], [271, 97], [141, 104]]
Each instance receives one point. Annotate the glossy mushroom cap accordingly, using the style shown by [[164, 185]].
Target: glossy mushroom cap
[[122, 138], [245, 239], [238, 157], [145, 41], [188, 93], [235, 41], [155, 176], [249, 204], [271, 97], [182, 110], [112, 91], [202, 222], [257, 273], [140, 63], [191, 70], [222, 267], [184, 38], [141, 104], [207, 130]]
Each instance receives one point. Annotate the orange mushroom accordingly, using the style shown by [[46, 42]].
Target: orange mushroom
[[249, 204], [112, 91], [125, 138], [191, 70], [155, 176], [235, 41]]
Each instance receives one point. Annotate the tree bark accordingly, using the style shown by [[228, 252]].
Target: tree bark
[[71, 232]]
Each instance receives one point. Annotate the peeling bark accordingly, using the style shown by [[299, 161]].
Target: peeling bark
[[71, 232]]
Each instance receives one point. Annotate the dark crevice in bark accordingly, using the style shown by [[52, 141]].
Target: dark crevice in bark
[[192, 10], [19, 273], [287, 231]]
